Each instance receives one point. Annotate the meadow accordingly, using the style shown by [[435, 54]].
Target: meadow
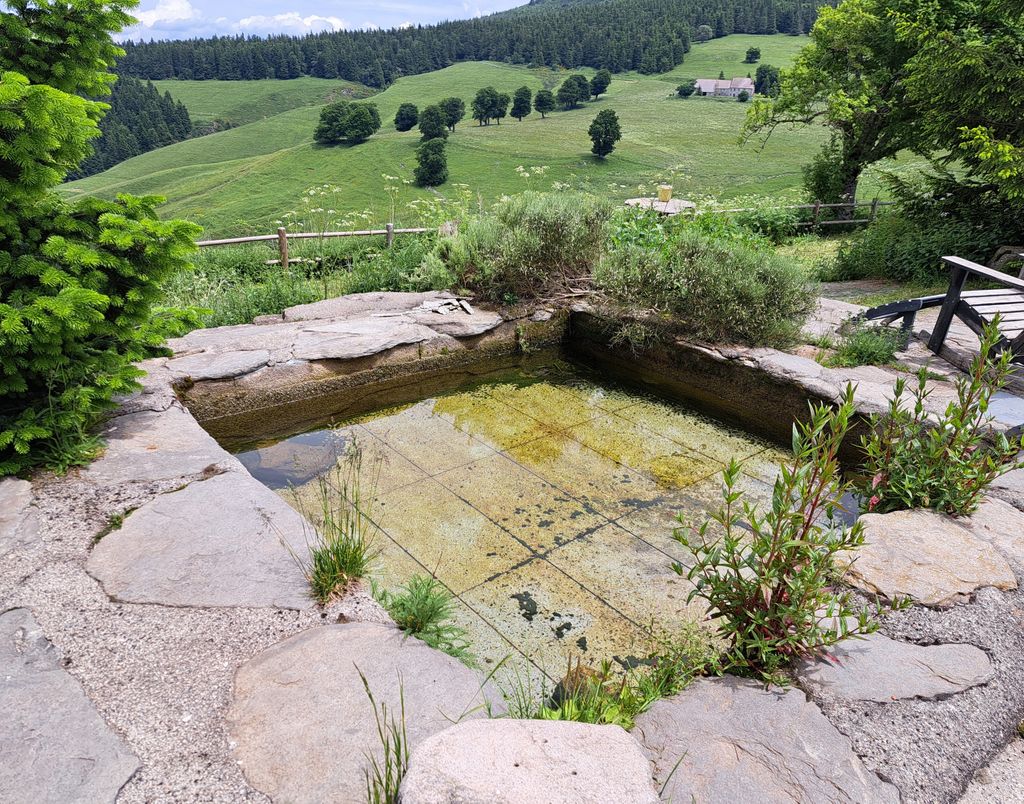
[[245, 179]]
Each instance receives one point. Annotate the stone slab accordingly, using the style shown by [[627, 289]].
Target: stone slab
[[54, 745], [359, 305], [151, 446], [1002, 525], [729, 740], [214, 366], [528, 762], [927, 557], [301, 720], [458, 324], [19, 525], [226, 541], [1010, 487], [880, 669], [361, 337]]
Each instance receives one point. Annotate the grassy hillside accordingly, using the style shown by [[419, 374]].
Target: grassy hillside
[[706, 59], [242, 180], [242, 102]]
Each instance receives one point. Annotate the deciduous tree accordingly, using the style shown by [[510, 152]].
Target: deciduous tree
[[599, 83], [521, 103], [433, 124], [544, 102], [605, 132], [454, 110], [406, 117], [432, 163]]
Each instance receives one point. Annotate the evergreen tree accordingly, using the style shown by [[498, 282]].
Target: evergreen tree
[[721, 75], [406, 117], [433, 124], [432, 163], [454, 110], [604, 132], [599, 83], [544, 102], [521, 103]]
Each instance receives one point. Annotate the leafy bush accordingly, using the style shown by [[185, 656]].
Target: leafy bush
[[937, 216], [866, 345], [767, 217], [766, 576], [912, 462], [529, 245], [423, 608], [718, 283]]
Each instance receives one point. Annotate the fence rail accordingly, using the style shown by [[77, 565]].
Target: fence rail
[[818, 206]]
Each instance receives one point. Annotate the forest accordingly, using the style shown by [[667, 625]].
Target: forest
[[649, 36], [139, 119]]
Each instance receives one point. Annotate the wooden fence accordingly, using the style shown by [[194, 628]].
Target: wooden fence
[[818, 206], [283, 236]]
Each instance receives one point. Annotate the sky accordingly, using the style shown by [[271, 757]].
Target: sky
[[182, 19]]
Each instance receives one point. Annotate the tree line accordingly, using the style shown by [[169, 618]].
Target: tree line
[[139, 119], [650, 36]]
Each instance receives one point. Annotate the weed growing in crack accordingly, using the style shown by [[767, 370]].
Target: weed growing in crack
[[341, 547], [384, 776], [423, 608]]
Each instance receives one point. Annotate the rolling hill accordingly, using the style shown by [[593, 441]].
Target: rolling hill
[[244, 179]]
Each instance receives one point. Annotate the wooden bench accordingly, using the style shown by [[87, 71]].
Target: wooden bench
[[976, 308]]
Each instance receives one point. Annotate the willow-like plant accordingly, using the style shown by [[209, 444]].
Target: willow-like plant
[[915, 461], [768, 577]]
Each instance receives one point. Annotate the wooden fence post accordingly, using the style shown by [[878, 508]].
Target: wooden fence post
[[874, 208], [817, 211], [390, 229], [282, 246]]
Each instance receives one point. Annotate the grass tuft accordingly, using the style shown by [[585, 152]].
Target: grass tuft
[[384, 776], [423, 608]]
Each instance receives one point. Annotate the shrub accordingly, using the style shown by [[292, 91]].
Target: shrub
[[341, 549], [912, 462], [936, 216], [686, 89], [717, 283], [423, 608], [528, 246], [767, 576], [865, 345], [767, 217]]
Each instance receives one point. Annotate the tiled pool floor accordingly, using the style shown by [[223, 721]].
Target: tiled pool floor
[[544, 503]]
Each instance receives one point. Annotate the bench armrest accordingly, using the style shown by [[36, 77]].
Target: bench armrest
[[995, 276]]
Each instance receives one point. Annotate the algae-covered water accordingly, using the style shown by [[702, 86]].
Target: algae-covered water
[[544, 499]]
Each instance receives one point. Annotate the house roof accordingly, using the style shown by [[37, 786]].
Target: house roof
[[711, 84]]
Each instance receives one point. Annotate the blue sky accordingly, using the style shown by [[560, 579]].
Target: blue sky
[[181, 19]]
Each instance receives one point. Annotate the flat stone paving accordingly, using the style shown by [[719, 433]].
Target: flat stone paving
[[544, 503]]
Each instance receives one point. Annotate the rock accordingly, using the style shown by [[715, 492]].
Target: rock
[[152, 446], [828, 317], [928, 557], [214, 366], [728, 740], [1009, 487], [226, 541], [361, 305], [1002, 525], [459, 324], [55, 746], [19, 524], [528, 762], [302, 722], [344, 340], [357, 605], [880, 669]]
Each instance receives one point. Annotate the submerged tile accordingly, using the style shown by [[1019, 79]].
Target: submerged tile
[[551, 619], [432, 443], [630, 575], [489, 420], [557, 406], [625, 442], [456, 542], [535, 512], [608, 487]]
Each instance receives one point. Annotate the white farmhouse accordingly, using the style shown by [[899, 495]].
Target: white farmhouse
[[724, 88]]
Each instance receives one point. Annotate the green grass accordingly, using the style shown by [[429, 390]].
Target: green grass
[[242, 180], [242, 102], [706, 59]]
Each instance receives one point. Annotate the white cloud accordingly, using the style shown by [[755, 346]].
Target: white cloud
[[168, 11], [290, 22]]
